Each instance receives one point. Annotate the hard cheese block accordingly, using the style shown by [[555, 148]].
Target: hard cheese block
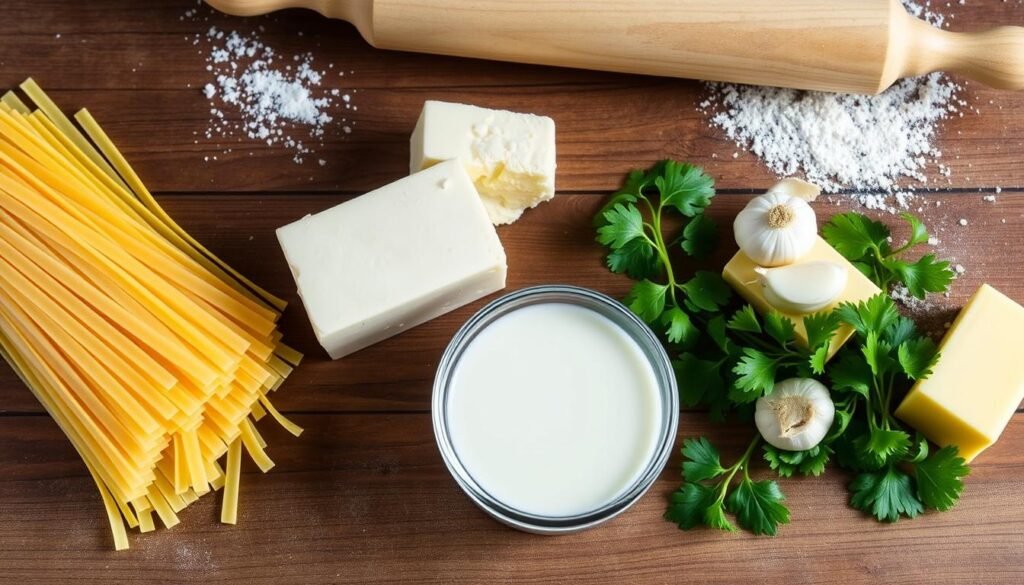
[[739, 273], [510, 156], [382, 263], [979, 381]]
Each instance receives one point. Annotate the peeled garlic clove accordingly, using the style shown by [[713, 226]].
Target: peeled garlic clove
[[805, 287], [797, 188], [797, 414], [776, 229]]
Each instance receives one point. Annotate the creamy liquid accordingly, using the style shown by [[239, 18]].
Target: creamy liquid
[[554, 410]]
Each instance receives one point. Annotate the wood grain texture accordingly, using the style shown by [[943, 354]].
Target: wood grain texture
[[362, 496], [135, 67], [365, 498], [553, 243]]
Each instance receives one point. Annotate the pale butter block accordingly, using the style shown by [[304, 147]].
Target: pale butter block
[[394, 258], [978, 383], [510, 156]]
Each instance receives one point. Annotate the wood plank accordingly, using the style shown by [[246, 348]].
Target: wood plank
[[551, 244], [141, 77], [366, 499]]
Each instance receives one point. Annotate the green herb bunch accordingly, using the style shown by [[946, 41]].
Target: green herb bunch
[[728, 356]]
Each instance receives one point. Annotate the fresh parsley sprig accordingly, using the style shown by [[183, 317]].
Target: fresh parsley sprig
[[729, 356], [633, 226], [708, 493], [865, 243], [897, 476]]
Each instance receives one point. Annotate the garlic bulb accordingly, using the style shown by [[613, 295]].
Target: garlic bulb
[[796, 415], [778, 227], [805, 287]]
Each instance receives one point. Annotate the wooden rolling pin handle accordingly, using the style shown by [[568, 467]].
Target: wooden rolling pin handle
[[994, 57]]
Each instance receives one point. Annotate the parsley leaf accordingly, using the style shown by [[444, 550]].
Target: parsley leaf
[[939, 478], [637, 259], [689, 505], [875, 314], [881, 446], [624, 224], [756, 373], [707, 290], [788, 463], [716, 330], [865, 243], [818, 360], [877, 354], [700, 236], [758, 506], [647, 300], [779, 328], [918, 233], [701, 460], [902, 330], [745, 320], [820, 328], [715, 517], [917, 357], [680, 328], [850, 372], [927, 275], [887, 494], [853, 235], [697, 378], [685, 187], [636, 182]]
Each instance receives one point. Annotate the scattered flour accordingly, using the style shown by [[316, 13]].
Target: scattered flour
[[901, 295], [279, 99], [848, 143]]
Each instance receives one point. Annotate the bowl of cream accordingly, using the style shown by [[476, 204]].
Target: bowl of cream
[[555, 408]]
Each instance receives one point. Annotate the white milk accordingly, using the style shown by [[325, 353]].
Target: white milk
[[554, 410]]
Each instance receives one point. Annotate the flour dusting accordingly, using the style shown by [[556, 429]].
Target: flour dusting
[[258, 93], [862, 144]]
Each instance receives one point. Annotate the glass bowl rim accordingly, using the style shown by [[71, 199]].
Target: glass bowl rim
[[626, 320]]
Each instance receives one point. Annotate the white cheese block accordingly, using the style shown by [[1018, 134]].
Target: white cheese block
[[510, 156], [394, 258]]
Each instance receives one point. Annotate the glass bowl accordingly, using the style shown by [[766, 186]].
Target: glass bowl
[[649, 345]]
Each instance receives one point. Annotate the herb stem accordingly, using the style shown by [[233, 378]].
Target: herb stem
[[659, 243]]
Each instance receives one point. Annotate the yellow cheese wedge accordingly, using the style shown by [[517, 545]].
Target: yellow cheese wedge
[[979, 380], [739, 273]]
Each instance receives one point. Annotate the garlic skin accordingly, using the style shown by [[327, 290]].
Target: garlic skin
[[796, 416], [776, 228], [803, 288], [797, 188]]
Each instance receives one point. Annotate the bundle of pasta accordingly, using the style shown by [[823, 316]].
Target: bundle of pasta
[[152, 355]]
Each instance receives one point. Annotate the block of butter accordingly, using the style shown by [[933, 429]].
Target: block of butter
[[739, 273], [396, 257], [979, 381], [510, 156]]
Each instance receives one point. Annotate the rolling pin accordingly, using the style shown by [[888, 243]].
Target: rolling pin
[[858, 46]]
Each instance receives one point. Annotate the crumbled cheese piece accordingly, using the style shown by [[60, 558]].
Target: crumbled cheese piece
[[509, 156]]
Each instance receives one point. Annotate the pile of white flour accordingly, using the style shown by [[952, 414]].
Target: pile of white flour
[[843, 142], [257, 93]]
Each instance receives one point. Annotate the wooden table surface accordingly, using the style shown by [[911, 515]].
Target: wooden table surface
[[363, 495]]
